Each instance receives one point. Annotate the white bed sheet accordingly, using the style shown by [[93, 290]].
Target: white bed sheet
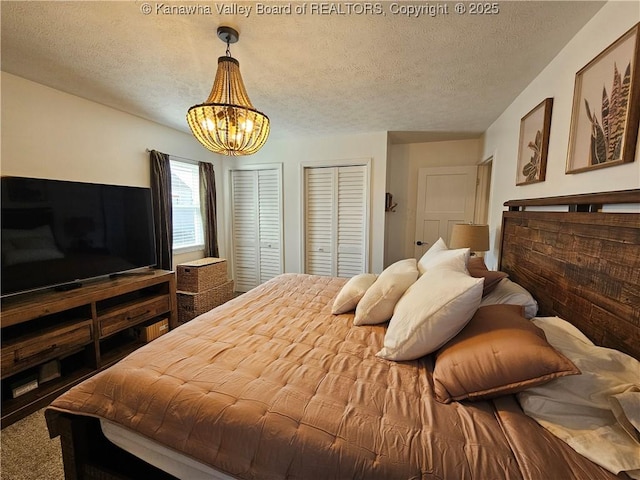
[[164, 458], [578, 408]]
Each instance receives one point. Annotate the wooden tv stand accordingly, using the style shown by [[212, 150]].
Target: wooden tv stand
[[75, 333]]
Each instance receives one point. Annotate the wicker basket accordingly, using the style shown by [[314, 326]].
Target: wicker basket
[[190, 304], [200, 275]]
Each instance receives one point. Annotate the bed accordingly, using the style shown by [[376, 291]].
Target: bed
[[273, 385]]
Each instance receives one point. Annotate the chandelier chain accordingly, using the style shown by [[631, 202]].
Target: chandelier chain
[[229, 92]]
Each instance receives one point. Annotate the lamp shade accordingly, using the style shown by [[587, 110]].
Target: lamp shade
[[227, 122], [475, 237]]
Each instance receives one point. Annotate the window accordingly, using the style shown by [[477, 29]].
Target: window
[[185, 200]]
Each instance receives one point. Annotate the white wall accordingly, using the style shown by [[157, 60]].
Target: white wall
[[47, 133], [557, 81], [402, 175], [292, 153]]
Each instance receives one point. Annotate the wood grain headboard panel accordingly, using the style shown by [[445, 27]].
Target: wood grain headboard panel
[[582, 265]]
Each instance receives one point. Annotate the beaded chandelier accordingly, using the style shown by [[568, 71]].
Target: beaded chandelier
[[227, 123]]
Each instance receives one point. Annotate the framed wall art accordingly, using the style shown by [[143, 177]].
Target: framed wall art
[[606, 108], [535, 127]]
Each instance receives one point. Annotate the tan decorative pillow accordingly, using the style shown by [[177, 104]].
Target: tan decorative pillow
[[477, 268], [352, 292], [498, 352]]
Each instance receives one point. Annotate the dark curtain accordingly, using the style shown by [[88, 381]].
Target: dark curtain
[[162, 211], [208, 193]]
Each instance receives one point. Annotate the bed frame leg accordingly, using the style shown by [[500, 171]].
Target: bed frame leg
[[74, 453], [87, 454]]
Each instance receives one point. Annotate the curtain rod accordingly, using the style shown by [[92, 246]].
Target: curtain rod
[[188, 160]]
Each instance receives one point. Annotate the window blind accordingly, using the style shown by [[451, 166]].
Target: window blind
[[185, 199]]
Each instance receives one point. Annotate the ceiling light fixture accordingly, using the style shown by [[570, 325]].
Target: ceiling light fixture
[[227, 122]]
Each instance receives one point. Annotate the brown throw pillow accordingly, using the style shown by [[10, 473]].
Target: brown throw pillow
[[498, 352], [477, 268]]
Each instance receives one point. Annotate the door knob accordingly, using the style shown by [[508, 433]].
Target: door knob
[[420, 242]]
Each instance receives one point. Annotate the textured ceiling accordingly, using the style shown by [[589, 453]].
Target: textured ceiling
[[447, 76]]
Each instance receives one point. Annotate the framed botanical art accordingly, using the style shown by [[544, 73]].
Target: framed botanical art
[[534, 144], [606, 107]]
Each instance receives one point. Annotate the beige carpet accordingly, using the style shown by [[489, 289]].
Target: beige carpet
[[28, 453]]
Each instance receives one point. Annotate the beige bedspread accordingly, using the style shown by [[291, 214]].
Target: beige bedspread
[[272, 385]]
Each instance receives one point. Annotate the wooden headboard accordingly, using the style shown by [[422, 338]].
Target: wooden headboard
[[582, 265]]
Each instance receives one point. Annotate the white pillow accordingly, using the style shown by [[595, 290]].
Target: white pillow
[[377, 304], [440, 256], [352, 293], [510, 292], [430, 254], [451, 259], [432, 311], [578, 408]]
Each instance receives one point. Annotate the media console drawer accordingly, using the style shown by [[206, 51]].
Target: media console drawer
[[126, 316], [31, 350]]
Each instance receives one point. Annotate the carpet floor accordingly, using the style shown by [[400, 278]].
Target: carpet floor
[[27, 452]]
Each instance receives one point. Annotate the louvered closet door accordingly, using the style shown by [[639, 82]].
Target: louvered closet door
[[320, 199], [351, 225], [269, 223], [257, 226], [336, 222], [245, 230]]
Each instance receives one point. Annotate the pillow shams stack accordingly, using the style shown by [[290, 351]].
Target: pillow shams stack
[[427, 313]]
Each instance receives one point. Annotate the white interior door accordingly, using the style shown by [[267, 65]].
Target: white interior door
[[446, 196], [256, 226]]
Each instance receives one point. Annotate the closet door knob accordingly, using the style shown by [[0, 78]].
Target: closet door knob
[[420, 242]]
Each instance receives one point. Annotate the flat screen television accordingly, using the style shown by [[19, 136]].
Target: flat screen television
[[59, 233]]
